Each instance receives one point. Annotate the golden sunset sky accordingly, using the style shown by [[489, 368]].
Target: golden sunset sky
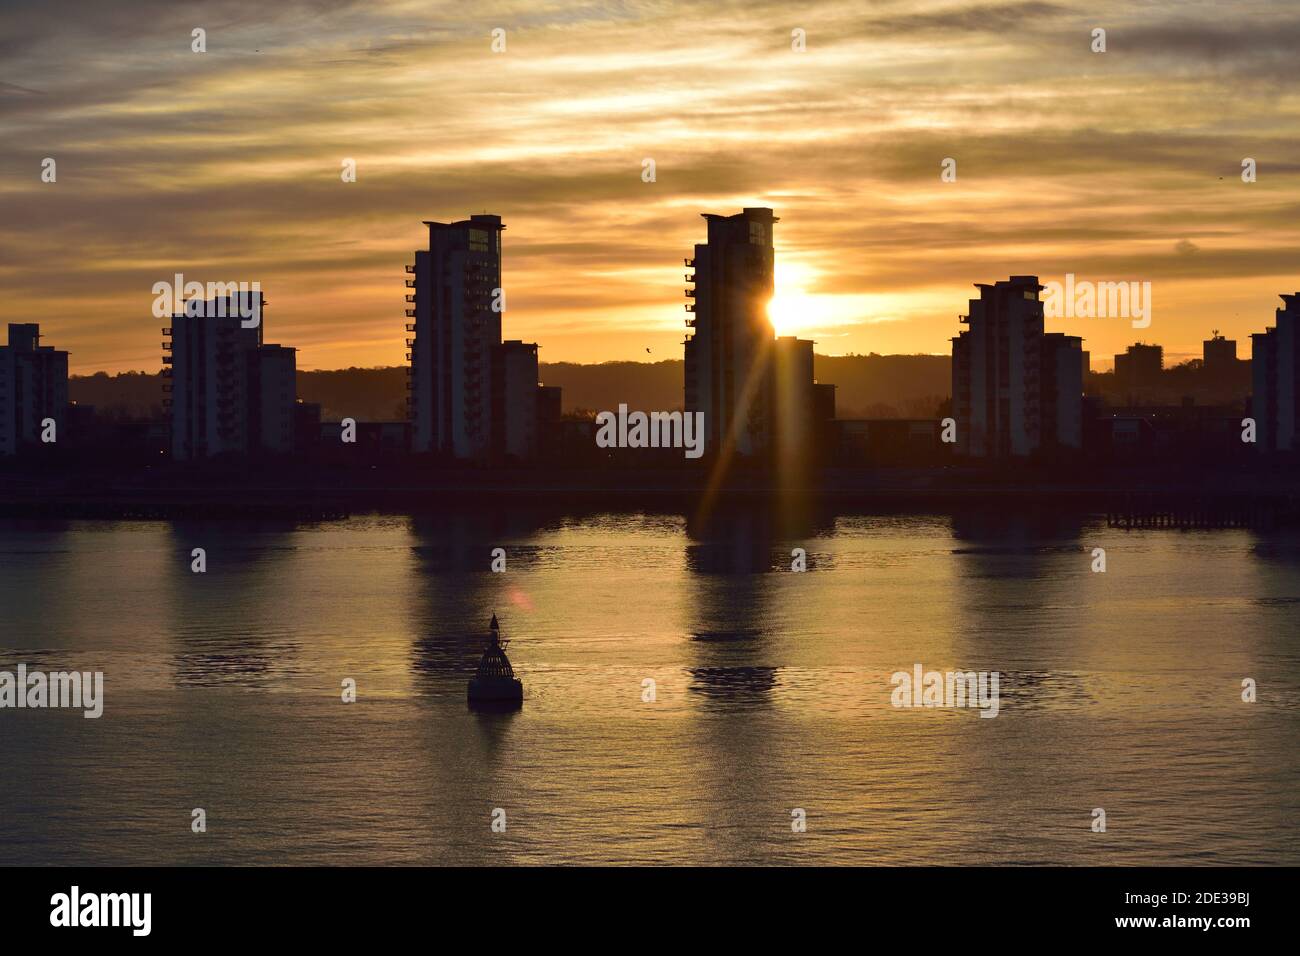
[[225, 165]]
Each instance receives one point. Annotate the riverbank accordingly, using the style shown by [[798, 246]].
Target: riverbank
[[1219, 496]]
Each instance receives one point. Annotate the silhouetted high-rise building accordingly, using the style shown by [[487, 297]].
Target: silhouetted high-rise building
[[1219, 354], [1219, 358], [1015, 389], [1061, 371], [1140, 366], [274, 395], [456, 283], [1275, 356], [514, 400], [1224, 374], [728, 358], [33, 388], [228, 393], [550, 408], [793, 400]]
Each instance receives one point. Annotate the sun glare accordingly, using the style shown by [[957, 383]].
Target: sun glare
[[792, 309]]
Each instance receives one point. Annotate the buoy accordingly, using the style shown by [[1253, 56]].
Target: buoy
[[494, 683]]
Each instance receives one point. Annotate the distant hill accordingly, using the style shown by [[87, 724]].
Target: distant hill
[[867, 386], [127, 395], [644, 385], [886, 386], [366, 394]]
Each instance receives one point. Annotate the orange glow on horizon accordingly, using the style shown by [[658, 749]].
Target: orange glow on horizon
[[227, 168]]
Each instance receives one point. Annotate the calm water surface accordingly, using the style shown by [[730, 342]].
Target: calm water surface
[[1119, 690]]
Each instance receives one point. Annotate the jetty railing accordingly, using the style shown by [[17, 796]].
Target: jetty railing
[[1183, 511]]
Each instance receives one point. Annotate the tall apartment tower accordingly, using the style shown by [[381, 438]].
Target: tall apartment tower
[[274, 396], [515, 394], [1219, 356], [794, 413], [229, 393], [33, 388], [728, 358], [1061, 375], [1015, 390], [1275, 355], [1139, 366], [455, 283]]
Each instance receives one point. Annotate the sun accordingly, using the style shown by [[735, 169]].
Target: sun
[[792, 309]]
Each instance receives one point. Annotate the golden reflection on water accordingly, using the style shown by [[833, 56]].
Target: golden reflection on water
[[771, 691]]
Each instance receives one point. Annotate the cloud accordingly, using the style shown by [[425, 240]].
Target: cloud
[[226, 164]]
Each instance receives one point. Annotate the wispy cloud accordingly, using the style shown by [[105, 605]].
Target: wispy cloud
[[226, 164]]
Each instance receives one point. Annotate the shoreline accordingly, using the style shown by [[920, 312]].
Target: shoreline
[[1165, 496]]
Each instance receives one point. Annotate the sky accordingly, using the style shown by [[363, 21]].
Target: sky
[[226, 165]]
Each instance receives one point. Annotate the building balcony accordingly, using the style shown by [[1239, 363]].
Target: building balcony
[[410, 313], [167, 330], [689, 262], [691, 323], [408, 356], [410, 269], [168, 360], [410, 343], [166, 373], [690, 307], [410, 283], [410, 326], [410, 298], [689, 277], [408, 386], [690, 293], [166, 346], [166, 403]]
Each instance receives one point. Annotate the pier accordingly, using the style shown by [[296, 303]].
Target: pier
[[1185, 512]]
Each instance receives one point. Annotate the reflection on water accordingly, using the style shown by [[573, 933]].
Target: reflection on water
[[243, 666], [734, 684], [771, 690], [726, 637]]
